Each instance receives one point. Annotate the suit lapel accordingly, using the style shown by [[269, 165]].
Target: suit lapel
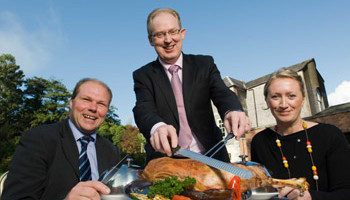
[[69, 146], [101, 155], [188, 77], [164, 85]]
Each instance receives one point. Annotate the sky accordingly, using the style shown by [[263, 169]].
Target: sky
[[68, 40]]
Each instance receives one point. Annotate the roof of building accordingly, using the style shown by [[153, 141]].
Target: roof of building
[[332, 110], [229, 82], [263, 79]]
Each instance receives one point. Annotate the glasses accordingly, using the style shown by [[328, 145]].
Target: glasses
[[161, 35]]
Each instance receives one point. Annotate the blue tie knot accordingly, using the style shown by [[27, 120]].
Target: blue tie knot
[[85, 141]]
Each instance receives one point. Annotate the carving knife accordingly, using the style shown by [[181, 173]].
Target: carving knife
[[243, 173]]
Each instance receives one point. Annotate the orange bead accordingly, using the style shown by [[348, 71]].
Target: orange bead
[[315, 172], [308, 143], [284, 158]]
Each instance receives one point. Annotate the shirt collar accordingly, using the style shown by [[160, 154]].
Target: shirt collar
[[179, 63], [76, 133]]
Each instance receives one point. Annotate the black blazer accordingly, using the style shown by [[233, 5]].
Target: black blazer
[[45, 163], [202, 83]]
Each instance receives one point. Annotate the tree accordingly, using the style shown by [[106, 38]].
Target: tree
[[112, 117], [11, 95], [11, 99], [46, 101], [130, 141], [127, 138]]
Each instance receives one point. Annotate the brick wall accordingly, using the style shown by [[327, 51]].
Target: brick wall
[[340, 120]]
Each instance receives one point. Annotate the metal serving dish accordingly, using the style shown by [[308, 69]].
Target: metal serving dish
[[119, 179], [264, 193], [124, 179]]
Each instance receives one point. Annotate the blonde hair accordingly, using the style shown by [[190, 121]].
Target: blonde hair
[[156, 12], [284, 73]]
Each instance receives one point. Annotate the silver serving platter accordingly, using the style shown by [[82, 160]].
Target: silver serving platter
[[264, 193], [115, 197], [121, 181], [141, 187], [126, 180], [137, 186]]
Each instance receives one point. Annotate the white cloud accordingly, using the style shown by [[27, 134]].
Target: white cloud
[[32, 48], [341, 94]]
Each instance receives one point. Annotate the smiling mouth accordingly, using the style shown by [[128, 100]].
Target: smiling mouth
[[169, 47], [90, 117], [284, 113]]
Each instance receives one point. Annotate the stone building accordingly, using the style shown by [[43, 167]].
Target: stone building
[[252, 98]]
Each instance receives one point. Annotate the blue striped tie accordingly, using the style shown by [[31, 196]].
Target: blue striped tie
[[84, 164]]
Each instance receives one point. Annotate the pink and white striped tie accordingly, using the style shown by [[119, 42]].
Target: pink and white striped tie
[[185, 134]]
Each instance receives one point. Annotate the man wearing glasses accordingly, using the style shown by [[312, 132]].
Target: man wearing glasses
[[174, 94]]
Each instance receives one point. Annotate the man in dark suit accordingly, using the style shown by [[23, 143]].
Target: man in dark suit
[[45, 163], [158, 110]]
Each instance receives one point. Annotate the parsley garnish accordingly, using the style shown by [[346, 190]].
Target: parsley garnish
[[170, 186]]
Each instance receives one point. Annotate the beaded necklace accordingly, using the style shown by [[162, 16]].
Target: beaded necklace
[[309, 149]]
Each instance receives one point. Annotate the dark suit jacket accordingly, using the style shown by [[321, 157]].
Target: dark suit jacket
[[155, 101], [45, 163]]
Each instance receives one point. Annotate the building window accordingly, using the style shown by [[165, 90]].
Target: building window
[[319, 100]]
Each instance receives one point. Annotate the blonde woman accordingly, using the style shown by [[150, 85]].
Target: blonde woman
[[297, 148]]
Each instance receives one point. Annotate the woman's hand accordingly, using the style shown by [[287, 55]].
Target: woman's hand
[[292, 193]]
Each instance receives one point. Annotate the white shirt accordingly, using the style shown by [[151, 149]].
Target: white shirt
[[91, 150]]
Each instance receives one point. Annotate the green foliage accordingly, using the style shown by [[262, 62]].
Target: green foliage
[[112, 117], [127, 138], [139, 159], [6, 150], [130, 140], [106, 130], [46, 101], [11, 101], [109, 127], [11, 81], [118, 132]]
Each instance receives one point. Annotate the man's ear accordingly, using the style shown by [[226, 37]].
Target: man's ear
[[150, 40], [183, 33], [70, 104]]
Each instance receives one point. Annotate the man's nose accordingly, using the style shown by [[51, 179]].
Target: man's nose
[[167, 37], [93, 106]]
